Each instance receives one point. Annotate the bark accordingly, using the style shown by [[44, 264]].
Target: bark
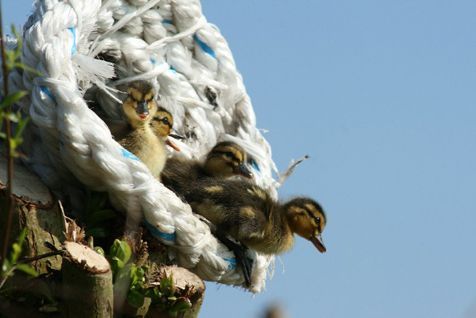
[[87, 283], [184, 279], [38, 212], [86, 287]]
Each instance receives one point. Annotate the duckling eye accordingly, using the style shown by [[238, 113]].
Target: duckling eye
[[229, 155], [164, 120]]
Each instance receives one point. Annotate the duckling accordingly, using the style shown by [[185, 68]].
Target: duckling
[[249, 215], [162, 124], [226, 159], [140, 108]]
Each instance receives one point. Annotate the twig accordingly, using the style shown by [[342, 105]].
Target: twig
[[8, 144], [290, 169], [6, 275], [41, 256]]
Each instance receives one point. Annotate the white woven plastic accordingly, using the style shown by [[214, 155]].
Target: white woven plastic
[[170, 43]]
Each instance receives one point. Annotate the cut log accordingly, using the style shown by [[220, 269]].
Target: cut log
[[87, 283], [184, 280], [37, 211]]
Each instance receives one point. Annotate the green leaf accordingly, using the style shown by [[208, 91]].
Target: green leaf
[[167, 286], [99, 250], [137, 275], [154, 294], [12, 117], [135, 298], [10, 59], [12, 98], [6, 265], [117, 263], [20, 127], [27, 68], [181, 305], [13, 146], [27, 269], [17, 247], [15, 254], [121, 250]]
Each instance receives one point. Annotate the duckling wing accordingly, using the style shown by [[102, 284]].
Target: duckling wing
[[179, 173], [131, 141], [230, 206]]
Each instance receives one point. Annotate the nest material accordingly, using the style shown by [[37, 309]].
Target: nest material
[[86, 50]]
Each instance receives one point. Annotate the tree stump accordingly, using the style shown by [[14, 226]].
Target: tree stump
[[37, 211], [183, 280], [87, 283]]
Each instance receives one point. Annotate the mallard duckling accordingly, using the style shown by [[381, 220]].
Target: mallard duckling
[[249, 215], [162, 124], [226, 159], [140, 108]]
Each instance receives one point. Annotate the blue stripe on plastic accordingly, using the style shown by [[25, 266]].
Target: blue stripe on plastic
[[204, 46], [47, 91], [254, 164], [129, 155], [167, 21], [74, 49], [155, 232], [173, 69], [231, 263]]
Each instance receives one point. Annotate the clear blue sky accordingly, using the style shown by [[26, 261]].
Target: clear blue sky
[[381, 95]]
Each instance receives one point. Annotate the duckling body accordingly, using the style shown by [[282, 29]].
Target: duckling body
[[226, 159], [143, 143], [249, 215], [140, 108]]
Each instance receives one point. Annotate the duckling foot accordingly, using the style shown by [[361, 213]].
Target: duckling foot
[[239, 250]]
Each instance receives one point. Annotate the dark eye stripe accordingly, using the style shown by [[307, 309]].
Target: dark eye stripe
[[230, 154], [315, 218], [164, 120]]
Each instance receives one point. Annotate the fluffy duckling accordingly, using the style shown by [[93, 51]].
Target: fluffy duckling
[[142, 112], [249, 215], [226, 159]]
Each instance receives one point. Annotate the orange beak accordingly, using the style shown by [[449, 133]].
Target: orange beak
[[171, 144]]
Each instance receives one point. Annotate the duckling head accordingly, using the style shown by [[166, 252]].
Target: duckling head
[[307, 219], [161, 124], [227, 159], [139, 105]]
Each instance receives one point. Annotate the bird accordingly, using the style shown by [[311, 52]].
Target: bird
[[225, 159], [249, 215], [149, 126]]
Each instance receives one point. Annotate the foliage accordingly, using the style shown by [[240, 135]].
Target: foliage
[[97, 215], [13, 61], [165, 295], [12, 263]]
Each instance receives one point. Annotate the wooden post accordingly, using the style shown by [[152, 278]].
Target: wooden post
[[183, 278], [87, 283], [38, 212]]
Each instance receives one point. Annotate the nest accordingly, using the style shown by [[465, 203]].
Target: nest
[[86, 51]]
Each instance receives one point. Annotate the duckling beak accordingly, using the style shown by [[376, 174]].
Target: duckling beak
[[142, 110], [317, 241], [175, 136], [244, 171], [171, 144]]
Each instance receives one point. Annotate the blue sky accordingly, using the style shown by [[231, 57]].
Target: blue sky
[[381, 95]]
